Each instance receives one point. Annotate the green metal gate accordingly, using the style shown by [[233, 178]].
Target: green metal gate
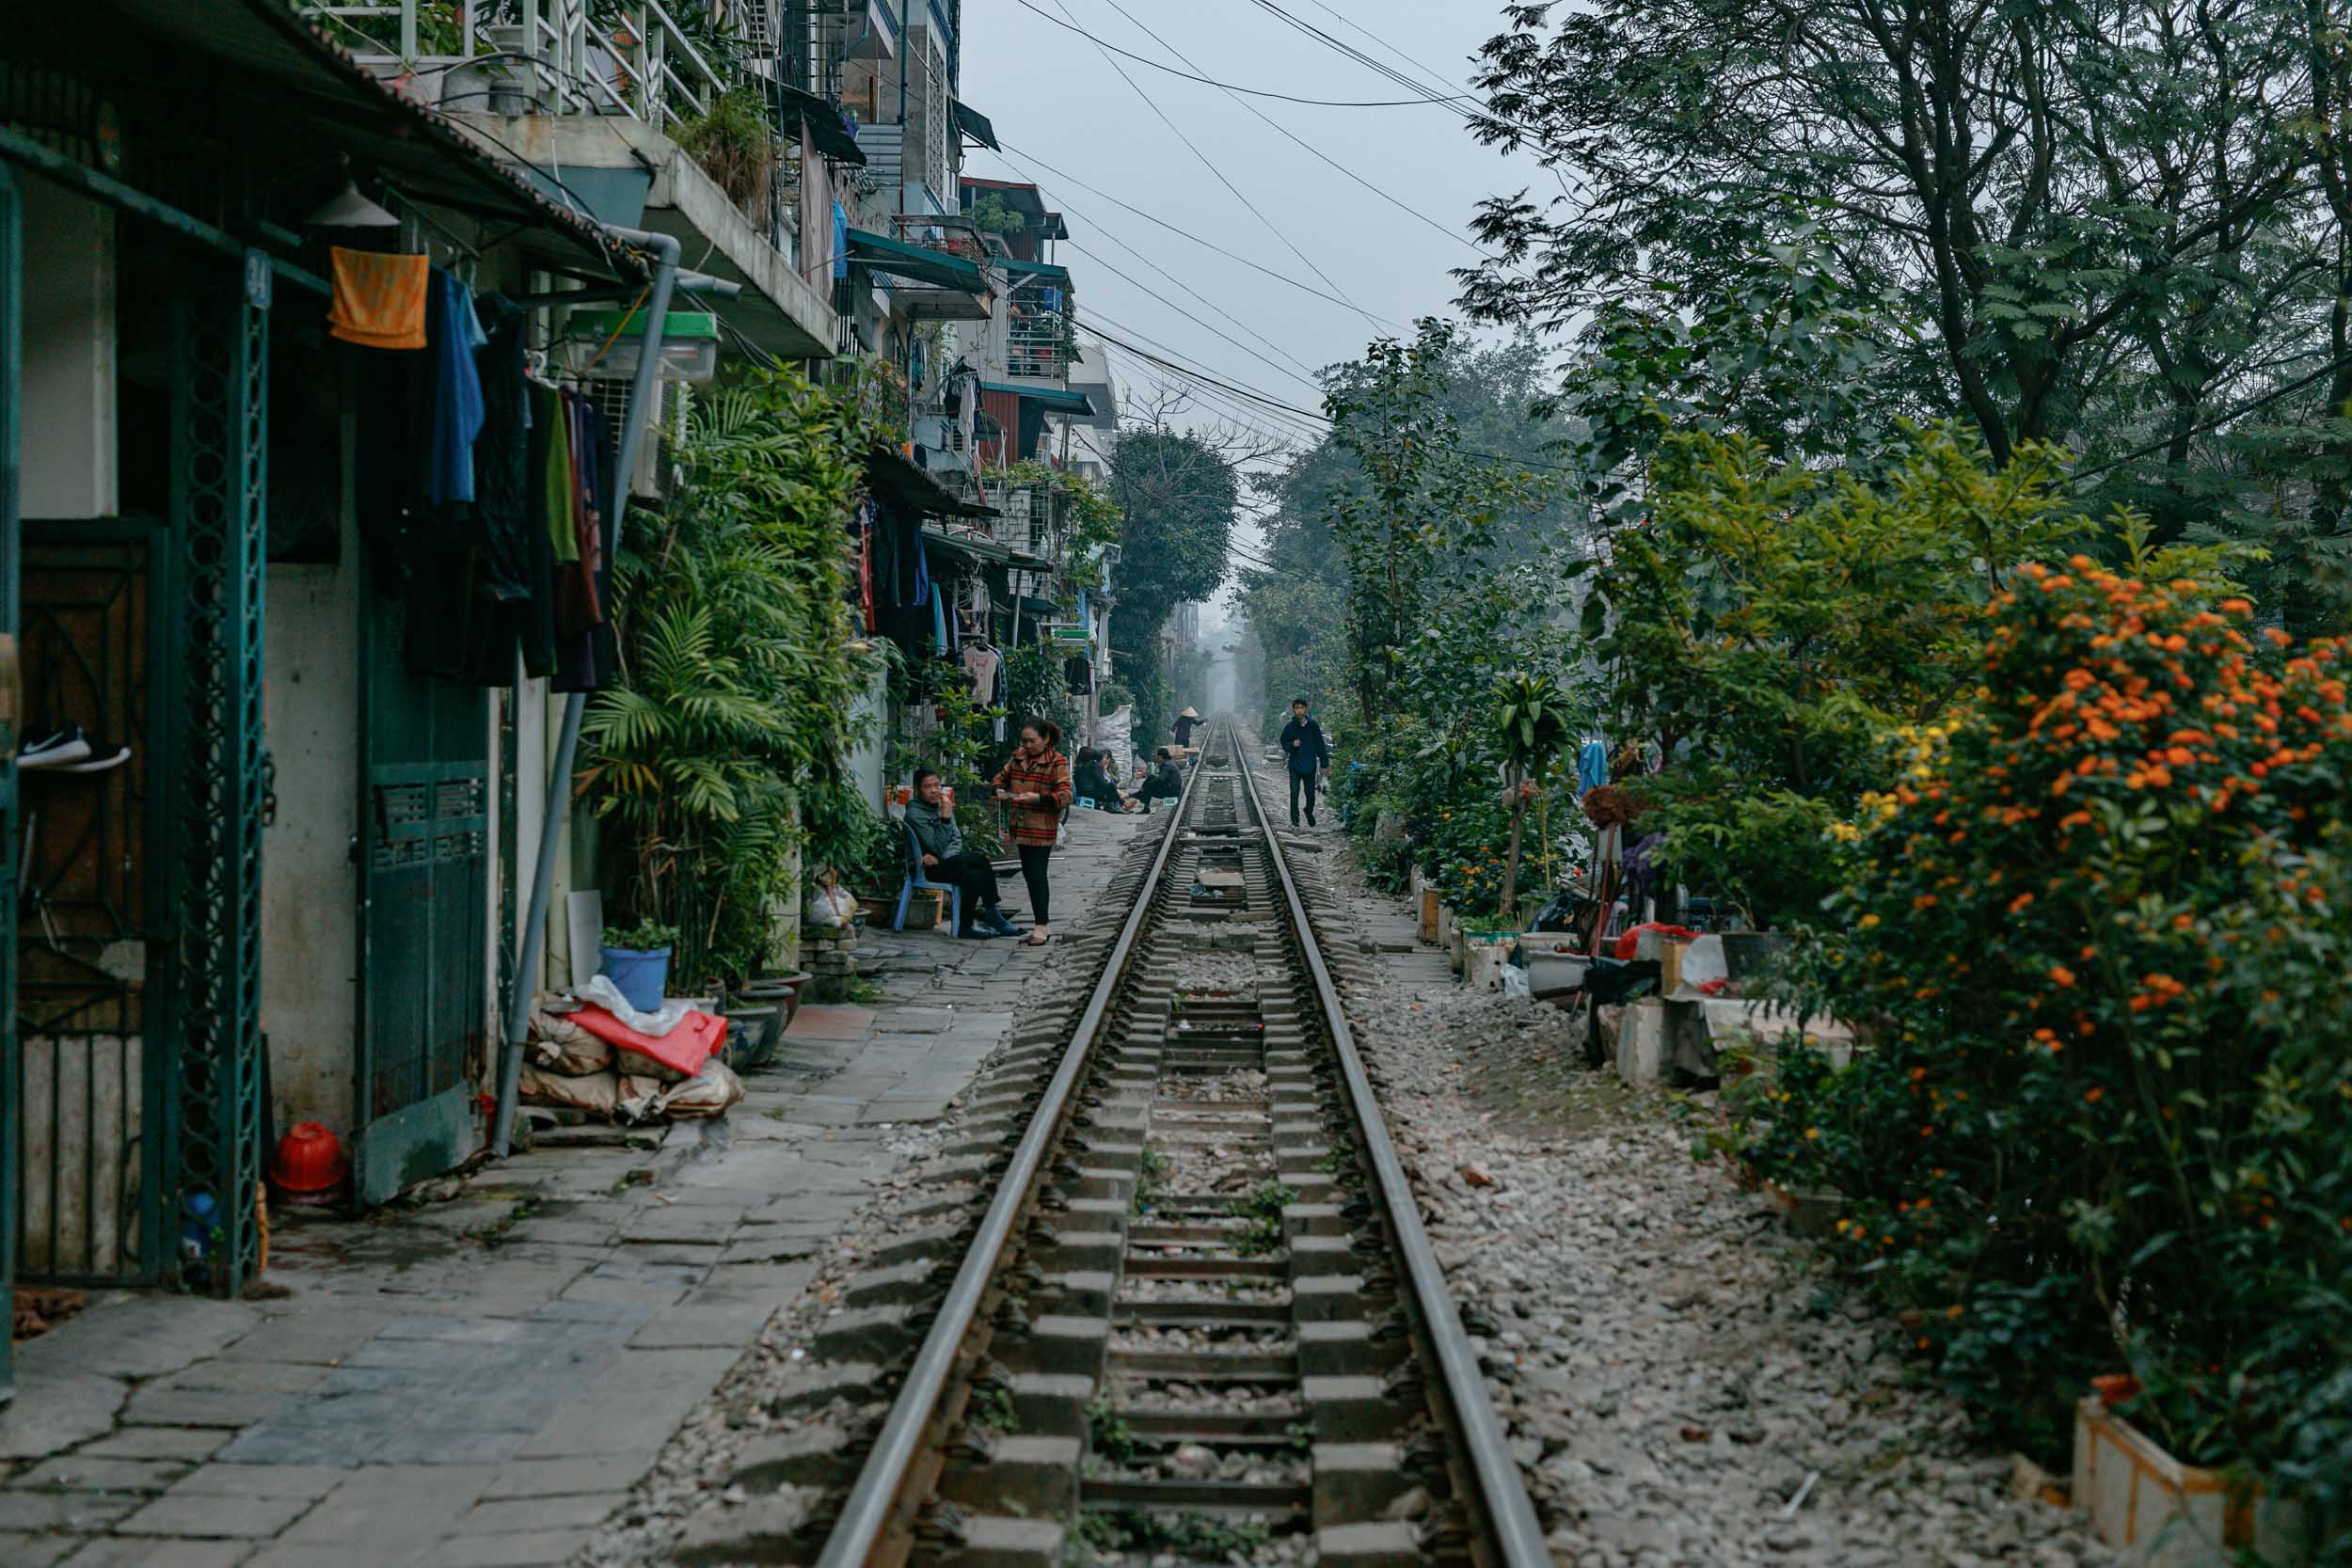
[[219, 483], [98, 637], [423, 910], [12, 385]]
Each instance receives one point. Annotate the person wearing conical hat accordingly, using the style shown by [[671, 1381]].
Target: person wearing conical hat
[[1184, 722]]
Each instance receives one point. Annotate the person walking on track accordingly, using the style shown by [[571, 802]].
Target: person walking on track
[[1184, 726], [1308, 753], [1034, 785]]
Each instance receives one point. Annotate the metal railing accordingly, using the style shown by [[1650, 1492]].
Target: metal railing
[[551, 58]]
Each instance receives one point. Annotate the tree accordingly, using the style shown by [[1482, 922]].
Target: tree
[[2075, 202], [1176, 491], [1532, 722]]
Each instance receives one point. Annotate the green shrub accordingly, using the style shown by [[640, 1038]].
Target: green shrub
[[2099, 935]]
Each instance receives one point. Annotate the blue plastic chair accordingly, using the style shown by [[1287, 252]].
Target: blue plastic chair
[[916, 882]]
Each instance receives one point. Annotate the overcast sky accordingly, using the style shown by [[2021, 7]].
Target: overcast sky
[[1069, 120]]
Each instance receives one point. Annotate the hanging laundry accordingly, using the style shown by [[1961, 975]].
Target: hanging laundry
[[379, 301], [1592, 767], [939, 624], [841, 242], [502, 451], [980, 665], [922, 571], [457, 408]]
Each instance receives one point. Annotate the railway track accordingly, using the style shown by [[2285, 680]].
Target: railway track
[[1199, 1320]]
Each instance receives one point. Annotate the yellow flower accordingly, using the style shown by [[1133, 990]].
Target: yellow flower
[[1869, 921]]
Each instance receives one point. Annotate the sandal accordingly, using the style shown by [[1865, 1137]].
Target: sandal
[[1037, 939]]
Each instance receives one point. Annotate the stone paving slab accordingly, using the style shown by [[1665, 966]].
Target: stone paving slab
[[478, 1383]]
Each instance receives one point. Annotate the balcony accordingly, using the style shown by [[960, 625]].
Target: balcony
[[1040, 332], [590, 104]]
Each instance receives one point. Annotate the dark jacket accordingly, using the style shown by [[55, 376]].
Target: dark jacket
[[1164, 784], [1183, 730], [1094, 784], [937, 834], [1312, 751]]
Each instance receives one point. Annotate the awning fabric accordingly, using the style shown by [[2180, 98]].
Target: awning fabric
[[827, 130], [1045, 270], [1052, 398], [901, 486], [913, 261], [974, 124]]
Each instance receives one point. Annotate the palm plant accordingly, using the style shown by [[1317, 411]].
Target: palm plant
[[1532, 722], [737, 680]]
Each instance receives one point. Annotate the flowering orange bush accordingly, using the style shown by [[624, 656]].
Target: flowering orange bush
[[2102, 937]]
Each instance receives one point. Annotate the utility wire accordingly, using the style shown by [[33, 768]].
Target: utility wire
[[1455, 234], [1305, 380], [1210, 167], [2209, 426], [1254, 92], [1180, 232]]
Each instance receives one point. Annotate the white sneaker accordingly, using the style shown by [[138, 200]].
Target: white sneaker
[[56, 752], [100, 764]]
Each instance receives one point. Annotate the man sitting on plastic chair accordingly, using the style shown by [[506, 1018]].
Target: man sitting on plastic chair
[[937, 858]]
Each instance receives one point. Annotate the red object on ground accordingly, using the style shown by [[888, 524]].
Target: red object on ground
[[309, 1160], [683, 1050], [1632, 940]]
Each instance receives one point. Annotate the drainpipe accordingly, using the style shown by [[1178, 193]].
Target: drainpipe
[[554, 826]]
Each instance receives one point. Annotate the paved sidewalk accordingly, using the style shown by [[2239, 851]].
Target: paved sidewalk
[[477, 1383]]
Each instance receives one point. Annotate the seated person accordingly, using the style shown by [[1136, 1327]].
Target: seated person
[[1093, 782], [1164, 781], [947, 861]]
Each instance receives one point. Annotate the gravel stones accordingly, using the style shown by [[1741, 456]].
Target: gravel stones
[[1671, 1366]]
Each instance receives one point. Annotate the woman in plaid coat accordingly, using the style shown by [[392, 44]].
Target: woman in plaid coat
[[1034, 784]]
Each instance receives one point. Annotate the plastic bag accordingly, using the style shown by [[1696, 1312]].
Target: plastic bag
[[831, 905], [708, 1093]]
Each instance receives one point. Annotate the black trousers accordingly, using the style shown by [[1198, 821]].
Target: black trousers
[[972, 873], [1033, 862], [1302, 782]]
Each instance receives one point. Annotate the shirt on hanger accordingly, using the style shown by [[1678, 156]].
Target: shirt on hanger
[[379, 300]]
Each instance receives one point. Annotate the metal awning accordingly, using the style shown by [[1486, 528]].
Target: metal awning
[[915, 261], [827, 131], [901, 486], [1054, 400], [965, 544], [1045, 270], [974, 124]]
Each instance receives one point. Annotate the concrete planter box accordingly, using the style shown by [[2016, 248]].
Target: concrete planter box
[[1482, 965], [1425, 909], [1553, 965], [2158, 1513]]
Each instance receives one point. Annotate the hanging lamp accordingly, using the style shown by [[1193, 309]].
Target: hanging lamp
[[348, 209]]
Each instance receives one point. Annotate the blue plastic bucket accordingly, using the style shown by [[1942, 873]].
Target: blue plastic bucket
[[643, 977]]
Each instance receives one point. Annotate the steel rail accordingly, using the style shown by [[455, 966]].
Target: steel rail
[[878, 1495], [1503, 1495]]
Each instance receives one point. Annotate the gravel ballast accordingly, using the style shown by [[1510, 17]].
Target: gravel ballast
[[1682, 1380]]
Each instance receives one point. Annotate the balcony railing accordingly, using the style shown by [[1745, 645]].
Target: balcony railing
[[535, 55], [1040, 338]]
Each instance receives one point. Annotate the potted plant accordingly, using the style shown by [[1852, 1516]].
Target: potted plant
[[637, 959]]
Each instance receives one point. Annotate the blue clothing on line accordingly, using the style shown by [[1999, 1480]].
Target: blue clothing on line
[[458, 407], [1592, 767]]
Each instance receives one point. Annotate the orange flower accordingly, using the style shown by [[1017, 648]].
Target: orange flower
[[2019, 904], [2095, 1095], [2061, 976], [2237, 607]]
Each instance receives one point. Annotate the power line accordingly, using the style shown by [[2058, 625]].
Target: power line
[[1210, 167], [1254, 92], [1453, 234], [1442, 80], [2211, 425], [1183, 233], [1304, 380]]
